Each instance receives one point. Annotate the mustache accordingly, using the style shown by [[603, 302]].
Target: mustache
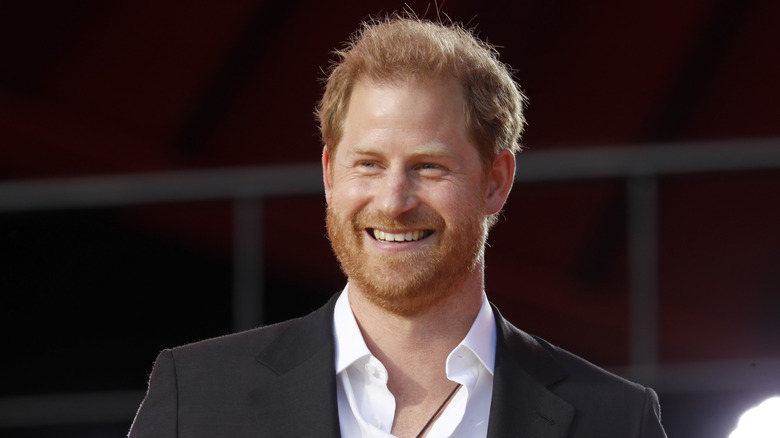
[[412, 219]]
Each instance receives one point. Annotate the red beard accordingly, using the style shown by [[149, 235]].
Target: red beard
[[408, 283]]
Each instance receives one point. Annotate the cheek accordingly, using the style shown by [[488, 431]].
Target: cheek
[[349, 197], [457, 204]]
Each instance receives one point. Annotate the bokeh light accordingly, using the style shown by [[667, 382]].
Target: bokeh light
[[762, 421]]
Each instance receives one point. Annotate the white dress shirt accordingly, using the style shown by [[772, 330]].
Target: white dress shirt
[[367, 408]]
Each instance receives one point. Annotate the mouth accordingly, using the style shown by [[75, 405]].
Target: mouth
[[408, 236]]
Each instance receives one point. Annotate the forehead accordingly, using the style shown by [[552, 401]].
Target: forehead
[[447, 92], [429, 110]]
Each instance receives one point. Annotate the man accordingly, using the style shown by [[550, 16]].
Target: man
[[421, 124]]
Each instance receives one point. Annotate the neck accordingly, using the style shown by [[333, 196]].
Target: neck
[[414, 348]]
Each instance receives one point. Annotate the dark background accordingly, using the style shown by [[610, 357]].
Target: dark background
[[89, 88]]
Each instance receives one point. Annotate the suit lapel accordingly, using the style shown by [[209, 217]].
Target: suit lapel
[[303, 358], [522, 406]]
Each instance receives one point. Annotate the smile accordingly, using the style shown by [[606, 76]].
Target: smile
[[409, 236]]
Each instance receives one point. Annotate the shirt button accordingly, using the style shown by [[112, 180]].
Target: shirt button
[[376, 423], [371, 369]]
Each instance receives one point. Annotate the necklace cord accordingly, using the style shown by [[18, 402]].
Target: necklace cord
[[430, 420]]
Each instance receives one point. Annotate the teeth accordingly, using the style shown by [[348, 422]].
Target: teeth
[[409, 236]]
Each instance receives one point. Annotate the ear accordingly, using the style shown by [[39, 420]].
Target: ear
[[500, 178], [326, 172]]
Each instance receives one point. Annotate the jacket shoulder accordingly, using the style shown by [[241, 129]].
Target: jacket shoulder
[[604, 403], [603, 399], [582, 370]]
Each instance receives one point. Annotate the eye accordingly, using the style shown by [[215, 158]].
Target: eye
[[367, 167], [432, 170], [432, 166]]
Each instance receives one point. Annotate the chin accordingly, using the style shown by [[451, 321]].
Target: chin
[[421, 292]]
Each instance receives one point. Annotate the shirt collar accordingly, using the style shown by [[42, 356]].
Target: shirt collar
[[350, 345], [480, 342]]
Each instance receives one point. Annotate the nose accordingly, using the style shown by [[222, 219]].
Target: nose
[[397, 194]]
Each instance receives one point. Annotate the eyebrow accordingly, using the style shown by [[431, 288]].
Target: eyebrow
[[428, 150]]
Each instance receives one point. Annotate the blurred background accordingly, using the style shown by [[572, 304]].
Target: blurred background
[[159, 184]]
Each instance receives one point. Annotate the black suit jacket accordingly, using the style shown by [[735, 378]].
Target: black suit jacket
[[279, 381]]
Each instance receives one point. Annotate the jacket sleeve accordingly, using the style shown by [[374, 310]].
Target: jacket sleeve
[[157, 417], [651, 417]]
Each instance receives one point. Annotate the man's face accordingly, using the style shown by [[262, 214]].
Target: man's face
[[406, 194]]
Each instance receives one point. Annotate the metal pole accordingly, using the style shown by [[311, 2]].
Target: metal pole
[[248, 267], [643, 275]]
